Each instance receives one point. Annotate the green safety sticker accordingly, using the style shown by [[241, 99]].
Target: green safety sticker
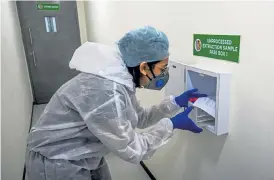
[[48, 7], [224, 47]]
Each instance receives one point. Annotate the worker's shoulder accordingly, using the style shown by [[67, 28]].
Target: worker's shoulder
[[89, 88], [85, 83]]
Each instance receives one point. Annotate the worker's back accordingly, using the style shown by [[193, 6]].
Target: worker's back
[[61, 132]]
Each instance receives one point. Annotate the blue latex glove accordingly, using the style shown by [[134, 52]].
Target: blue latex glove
[[182, 100], [182, 121]]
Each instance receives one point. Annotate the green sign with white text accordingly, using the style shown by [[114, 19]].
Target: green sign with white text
[[225, 47], [48, 7]]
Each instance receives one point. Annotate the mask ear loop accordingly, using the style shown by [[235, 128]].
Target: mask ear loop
[[148, 77], [151, 70]]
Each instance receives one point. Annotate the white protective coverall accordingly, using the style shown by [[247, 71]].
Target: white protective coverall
[[91, 115]]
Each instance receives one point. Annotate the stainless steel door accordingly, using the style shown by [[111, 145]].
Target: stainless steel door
[[50, 38]]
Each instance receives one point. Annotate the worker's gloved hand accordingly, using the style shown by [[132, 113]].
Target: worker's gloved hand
[[182, 100], [182, 121]]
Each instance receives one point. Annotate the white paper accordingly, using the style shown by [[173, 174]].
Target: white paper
[[206, 104]]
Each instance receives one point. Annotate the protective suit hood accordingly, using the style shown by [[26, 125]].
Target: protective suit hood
[[102, 60]]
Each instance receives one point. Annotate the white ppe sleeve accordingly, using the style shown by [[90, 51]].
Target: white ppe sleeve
[[112, 123], [149, 116]]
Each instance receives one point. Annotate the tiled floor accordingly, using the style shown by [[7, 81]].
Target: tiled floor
[[119, 168]]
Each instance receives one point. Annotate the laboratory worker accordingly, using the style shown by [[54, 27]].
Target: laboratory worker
[[97, 111]]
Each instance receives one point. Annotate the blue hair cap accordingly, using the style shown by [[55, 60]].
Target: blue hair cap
[[145, 44]]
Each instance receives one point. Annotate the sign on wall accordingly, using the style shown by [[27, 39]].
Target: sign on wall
[[48, 7], [225, 47]]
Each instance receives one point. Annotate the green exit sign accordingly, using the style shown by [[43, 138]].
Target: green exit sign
[[48, 7]]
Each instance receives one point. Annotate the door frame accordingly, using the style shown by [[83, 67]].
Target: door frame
[[25, 49]]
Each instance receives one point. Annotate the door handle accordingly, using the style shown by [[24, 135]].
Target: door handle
[[34, 59], [30, 36]]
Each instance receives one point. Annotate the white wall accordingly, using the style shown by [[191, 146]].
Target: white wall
[[82, 21], [248, 151], [16, 101]]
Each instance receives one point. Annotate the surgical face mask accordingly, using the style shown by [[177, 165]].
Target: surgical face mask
[[158, 82]]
